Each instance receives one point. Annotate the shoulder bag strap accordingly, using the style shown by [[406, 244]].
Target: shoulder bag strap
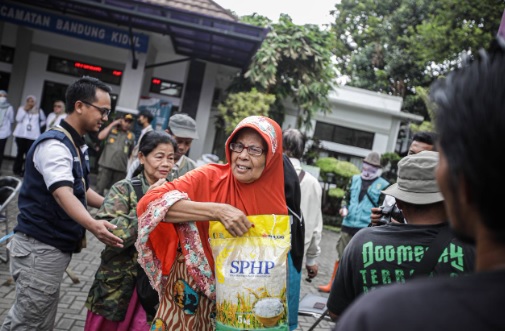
[[431, 256], [375, 204], [137, 186], [301, 175], [69, 136], [72, 140]]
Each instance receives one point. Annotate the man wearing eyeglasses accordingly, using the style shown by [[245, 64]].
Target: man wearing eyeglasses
[[118, 145], [53, 216]]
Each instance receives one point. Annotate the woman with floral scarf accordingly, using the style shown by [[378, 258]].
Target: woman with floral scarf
[[173, 241]]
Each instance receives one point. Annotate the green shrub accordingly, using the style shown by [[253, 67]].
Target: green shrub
[[392, 158], [336, 192], [389, 163], [342, 169]]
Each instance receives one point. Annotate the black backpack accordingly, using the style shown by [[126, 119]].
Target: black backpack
[[147, 295]]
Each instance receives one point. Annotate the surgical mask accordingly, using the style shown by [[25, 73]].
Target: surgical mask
[[3, 99], [368, 171]]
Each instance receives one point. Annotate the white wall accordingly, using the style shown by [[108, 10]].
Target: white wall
[[175, 72], [80, 47], [361, 110], [132, 80], [9, 34], [365, 98]]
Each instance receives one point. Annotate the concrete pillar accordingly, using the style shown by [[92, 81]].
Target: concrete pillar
[[130, 93], [18, 77], [203, 115]]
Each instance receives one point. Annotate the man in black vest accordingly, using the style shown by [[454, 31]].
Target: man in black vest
[[53, 215]]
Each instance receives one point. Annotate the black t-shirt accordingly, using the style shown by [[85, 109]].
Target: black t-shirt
[[389, 254], [470, 302]]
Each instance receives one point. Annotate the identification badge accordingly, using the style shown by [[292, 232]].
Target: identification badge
[[29, 127]]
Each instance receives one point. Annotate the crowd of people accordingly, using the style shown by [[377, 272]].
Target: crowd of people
[[435, 263]]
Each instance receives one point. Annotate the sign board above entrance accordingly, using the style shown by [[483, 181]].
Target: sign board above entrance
[[72, 27]]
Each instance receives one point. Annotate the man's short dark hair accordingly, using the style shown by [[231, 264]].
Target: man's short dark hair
[[293, 143], [470, 122], [426, 137], [84, 89], [147, 114]]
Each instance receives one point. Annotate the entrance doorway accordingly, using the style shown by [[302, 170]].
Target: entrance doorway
[[50, 93], [4, 80], [53, 91]]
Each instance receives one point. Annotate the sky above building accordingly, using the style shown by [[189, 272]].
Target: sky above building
[[302, 12]]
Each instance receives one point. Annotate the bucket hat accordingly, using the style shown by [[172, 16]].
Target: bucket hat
[[416, 181], [373, 158], [183, 126]]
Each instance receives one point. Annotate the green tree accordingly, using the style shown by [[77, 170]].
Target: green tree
[[293, 63], [240, 105], [395, 46]]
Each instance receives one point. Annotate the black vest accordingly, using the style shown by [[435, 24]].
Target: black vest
[[40, 216]]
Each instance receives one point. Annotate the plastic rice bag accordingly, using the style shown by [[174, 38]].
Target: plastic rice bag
[[251, 274]]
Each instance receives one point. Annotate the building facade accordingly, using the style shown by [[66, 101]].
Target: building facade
[[360, 121], [177, 54], [168, 50]]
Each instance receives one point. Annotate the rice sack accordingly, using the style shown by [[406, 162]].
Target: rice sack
[[251, 273]]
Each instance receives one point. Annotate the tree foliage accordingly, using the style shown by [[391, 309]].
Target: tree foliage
[[395, 46], [243, 104], [339, 168], [294, 63]]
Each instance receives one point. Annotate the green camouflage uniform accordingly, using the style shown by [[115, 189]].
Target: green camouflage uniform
[[115, 278], [114, 158]]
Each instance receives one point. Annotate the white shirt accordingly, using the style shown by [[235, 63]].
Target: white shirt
[[6, 125], [53, 160], [28, 125], [56, 118], [311, 199]]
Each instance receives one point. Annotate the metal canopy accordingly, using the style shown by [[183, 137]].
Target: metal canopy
[[194, 35]]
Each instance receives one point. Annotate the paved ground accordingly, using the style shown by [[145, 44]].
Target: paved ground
[[71, 311]]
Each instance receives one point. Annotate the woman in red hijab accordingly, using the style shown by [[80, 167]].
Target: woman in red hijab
[[173, 237]]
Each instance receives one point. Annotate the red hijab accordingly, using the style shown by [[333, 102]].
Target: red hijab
[[216, 183]]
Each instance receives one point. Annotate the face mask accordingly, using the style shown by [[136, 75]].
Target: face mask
[[369, 171], [3, 99]]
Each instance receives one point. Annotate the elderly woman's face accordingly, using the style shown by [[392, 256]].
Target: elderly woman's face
[[158, 163], [246, 167]]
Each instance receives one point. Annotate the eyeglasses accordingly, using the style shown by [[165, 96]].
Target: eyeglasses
[[103, 111], [251, 150]]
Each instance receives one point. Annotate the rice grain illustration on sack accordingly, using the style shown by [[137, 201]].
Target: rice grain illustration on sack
[[251, 274]]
